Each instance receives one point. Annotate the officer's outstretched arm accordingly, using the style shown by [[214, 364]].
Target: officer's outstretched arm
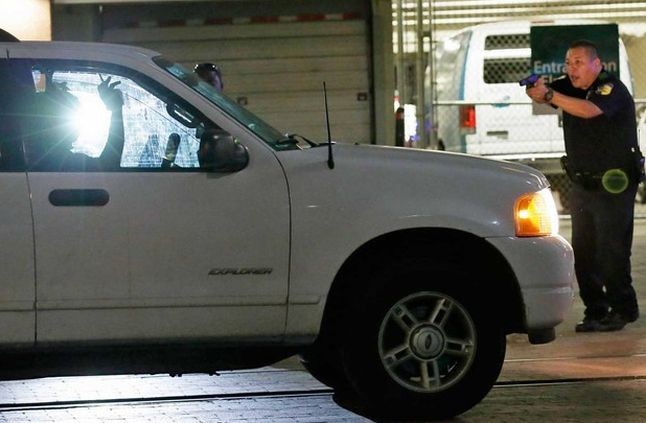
[[576, 106]]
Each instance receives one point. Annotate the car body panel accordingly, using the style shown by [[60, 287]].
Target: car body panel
[[17, 287], [167, 247], [374, 191], [545, 276]]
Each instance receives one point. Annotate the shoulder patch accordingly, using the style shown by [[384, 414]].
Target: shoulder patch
[[604, 89]]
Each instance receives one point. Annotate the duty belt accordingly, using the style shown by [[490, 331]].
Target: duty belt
[[588, 180], [614, 181]]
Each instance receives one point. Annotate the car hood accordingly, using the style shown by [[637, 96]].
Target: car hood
[[454, 168], [408, 188]]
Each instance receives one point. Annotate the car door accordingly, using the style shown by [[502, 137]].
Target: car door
[[155, 248], [17, 292]]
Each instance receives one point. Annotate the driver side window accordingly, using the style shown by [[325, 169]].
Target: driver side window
[[157, 135], [159, 131]]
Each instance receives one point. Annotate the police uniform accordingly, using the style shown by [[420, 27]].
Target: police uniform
[[602, 202]]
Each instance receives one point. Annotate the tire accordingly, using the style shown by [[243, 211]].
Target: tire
[[423, 345], [324, 364]]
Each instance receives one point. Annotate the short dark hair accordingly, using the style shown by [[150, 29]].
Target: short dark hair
[[207, 67], [589, 46]]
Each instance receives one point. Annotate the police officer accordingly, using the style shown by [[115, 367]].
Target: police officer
[[602, 161]]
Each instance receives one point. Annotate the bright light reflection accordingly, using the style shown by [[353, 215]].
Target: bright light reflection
[[92, 120], [26, 19], [451, 45]]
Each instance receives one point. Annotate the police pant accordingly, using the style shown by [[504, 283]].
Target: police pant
[[602, 236]]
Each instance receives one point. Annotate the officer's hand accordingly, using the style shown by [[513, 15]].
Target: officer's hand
[[537, 92], [110, 95]]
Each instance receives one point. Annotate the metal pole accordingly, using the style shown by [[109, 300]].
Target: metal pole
[[432, 77], [401, 72], [422, 141]]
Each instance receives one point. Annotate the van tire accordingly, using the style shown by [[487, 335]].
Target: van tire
[[393, 336]]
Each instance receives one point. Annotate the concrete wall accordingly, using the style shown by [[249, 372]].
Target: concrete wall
[[635, 47], [384, 71], [76, 23]]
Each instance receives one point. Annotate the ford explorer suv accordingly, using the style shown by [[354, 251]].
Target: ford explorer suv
[[152, 225]]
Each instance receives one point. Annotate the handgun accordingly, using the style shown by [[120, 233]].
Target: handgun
[[530, 81]]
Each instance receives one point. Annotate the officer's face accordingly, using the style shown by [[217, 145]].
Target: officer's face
[[581, 68]]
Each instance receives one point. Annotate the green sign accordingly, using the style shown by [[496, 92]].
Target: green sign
[[550, 43]]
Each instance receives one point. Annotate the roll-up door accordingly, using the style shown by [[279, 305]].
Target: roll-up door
[[273, 61]]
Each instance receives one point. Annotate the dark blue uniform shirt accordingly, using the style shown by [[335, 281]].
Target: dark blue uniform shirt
[[606, 141]]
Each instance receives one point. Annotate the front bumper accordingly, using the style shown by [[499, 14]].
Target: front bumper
[[544, 269]]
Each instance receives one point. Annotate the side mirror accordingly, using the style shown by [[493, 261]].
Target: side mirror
[[220, 152]]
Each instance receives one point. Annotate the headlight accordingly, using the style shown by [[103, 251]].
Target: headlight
[[535, 214]]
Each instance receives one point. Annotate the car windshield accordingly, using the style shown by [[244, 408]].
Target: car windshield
[[267, 133]]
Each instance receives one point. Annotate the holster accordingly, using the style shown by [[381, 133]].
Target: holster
[[589, 181], [592, 181]]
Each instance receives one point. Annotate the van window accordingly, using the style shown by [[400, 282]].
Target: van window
[[506, 41], [503, 71]]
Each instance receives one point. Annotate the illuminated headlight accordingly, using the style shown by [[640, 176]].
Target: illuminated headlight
[[535, 214]]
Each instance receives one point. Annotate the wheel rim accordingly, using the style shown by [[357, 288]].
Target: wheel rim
[[427, 342]]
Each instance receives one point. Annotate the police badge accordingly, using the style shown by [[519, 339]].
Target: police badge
[[605, 89]]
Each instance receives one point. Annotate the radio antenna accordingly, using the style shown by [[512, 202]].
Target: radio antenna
[[330, 157]]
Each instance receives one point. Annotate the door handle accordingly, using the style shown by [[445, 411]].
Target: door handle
[[79, 197]]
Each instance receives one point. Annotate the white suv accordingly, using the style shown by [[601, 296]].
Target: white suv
[[394, 273]]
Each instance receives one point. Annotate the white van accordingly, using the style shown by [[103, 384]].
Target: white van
[[481, 108]]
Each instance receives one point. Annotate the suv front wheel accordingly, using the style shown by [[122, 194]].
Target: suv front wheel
[[423, 345]]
